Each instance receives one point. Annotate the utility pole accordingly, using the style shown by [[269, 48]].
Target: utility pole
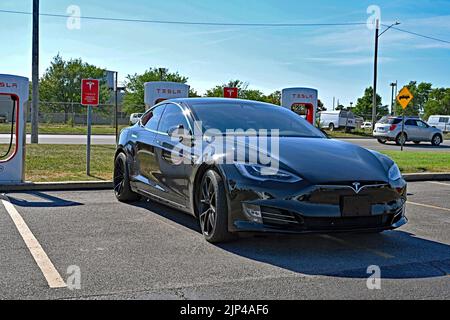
[[116, 106], [375, 75], [35, 75], [393, 85]]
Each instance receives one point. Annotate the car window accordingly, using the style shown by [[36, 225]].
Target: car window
[[172, 117], [443, 120], [393, 121], [411, 123], [422, 124], [151, 119]]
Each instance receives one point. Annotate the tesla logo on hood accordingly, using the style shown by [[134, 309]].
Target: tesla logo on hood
[[356, 187]]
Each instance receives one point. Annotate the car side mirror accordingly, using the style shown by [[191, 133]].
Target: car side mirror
[[325, 133]]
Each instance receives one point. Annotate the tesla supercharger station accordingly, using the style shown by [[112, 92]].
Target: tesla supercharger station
[[301, 100], [156, 92], [14, 92]]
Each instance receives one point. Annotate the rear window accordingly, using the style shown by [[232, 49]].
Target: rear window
[[390, 121]]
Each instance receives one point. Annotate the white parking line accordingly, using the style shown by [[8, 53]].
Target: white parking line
[[440, 183], [52, 276], [428, 206]]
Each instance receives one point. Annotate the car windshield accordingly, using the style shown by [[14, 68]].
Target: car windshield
[[247, 116]]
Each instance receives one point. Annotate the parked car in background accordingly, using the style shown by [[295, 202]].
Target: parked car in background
[[2, 118], [333, 120], [416, 130], [440, 122], [135, 117], [366, 125]]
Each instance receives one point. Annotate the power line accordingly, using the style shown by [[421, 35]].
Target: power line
[[193, 22], [418, 34], [222, 24]]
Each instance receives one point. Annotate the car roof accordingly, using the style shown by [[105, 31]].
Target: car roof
[[205, 100]]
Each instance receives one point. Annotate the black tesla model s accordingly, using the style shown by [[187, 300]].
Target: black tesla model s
[[246, 166]]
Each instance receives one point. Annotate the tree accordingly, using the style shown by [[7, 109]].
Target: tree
[[320, 106], [421, 93], [61, 85], [274, 98], [364, 105], [133, 101], [438, 103]]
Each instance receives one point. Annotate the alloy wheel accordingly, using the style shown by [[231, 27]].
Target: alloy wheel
[[119, 178], [437, 140], [208, 207]]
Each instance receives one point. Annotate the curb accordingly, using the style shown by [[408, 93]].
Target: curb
[[58, 186], [418, 177], [108, 185]]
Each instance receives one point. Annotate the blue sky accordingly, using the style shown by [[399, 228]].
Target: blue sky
[[338, 61]]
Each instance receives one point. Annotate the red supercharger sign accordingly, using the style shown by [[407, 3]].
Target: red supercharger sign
[[232, 93], [90, 92]]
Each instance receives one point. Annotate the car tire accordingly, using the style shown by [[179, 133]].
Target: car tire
[[331, 127], [122, 188], [212, 208], [400, 137], [382, 141], [437, 140]]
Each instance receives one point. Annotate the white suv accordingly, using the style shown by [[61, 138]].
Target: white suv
[[416, 130]]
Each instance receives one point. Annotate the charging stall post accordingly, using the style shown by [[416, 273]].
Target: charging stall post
[[303, 101], [158, 91], [14, 91]]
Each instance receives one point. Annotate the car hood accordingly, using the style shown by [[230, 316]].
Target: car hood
[[330, 161]]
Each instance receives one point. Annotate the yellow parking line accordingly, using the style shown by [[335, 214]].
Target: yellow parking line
[[428, 206], [52, 276], [350, 244]]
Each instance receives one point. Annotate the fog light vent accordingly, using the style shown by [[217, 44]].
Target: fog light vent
[[253, 212]]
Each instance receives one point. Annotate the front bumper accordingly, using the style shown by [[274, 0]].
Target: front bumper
[[328, 225], [306, 208], [388, 135]]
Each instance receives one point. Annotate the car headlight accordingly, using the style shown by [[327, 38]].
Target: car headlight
[[394, 173], [262, 173]]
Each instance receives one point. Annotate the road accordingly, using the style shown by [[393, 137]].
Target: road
[[147, 251], [99, 139]]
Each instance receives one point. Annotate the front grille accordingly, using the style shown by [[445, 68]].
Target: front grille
[[377, 193], [277, 217]]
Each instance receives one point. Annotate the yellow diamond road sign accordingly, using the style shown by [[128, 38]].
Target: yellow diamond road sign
[[404, 97]]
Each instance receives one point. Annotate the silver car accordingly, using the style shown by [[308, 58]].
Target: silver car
[[416, 130]]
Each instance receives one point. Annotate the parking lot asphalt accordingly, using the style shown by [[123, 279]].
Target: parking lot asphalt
[[148, 251]]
